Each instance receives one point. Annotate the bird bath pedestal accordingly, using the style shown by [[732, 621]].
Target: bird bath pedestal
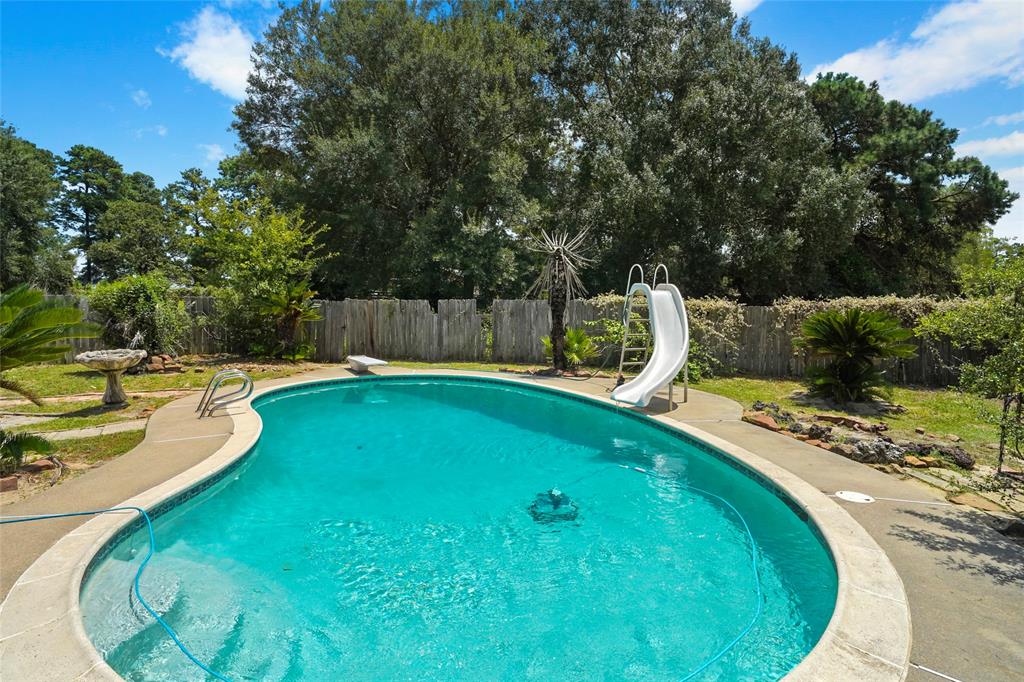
[[112, 363]]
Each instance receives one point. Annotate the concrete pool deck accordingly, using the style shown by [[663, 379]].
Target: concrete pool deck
[[962, 578]]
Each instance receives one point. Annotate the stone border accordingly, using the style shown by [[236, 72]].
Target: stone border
[[868, 638]]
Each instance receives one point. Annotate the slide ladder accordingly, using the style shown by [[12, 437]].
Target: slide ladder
[[656, 341]]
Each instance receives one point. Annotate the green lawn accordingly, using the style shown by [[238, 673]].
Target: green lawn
[[73, 379], [81, 414], [937, 411], [97, 449]]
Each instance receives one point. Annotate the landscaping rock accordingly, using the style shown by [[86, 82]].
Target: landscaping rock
[[919, 431], [819, 432], [8, 483], [976, 501], [198, 370], [954, 453], [953, 438], [853, 423], [1015, 529], [761, 419], [38, 466], [761, 406], [931, 461], [912, 461], [173, 367], [797, 427], [877, 451], [845, 449]]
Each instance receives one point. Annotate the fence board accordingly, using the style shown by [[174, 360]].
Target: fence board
[[411, 330]]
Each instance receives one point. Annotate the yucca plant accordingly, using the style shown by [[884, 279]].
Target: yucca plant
[[852, 340], [32, 329], [578, 346], [559, 277]]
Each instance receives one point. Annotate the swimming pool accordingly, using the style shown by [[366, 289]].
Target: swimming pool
[[404, 528]]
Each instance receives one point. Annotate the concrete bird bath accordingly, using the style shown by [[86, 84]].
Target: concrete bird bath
[[112, 363]]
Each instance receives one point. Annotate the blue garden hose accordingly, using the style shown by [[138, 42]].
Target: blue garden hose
[[138, 574], [753, 565], [184, 649]]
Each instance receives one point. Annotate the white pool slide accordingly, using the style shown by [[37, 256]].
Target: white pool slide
[[671, 340]]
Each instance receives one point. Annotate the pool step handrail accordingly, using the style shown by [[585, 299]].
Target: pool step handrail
[[210, 402]]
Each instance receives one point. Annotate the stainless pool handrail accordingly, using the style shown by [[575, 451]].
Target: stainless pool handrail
[[208, 403], [209, 384]]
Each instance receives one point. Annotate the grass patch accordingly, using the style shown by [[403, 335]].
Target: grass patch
[[74, 379], [97, 449], [83, 414], [937, 411]]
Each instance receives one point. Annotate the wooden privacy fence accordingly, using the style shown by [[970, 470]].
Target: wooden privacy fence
[[511, 332]]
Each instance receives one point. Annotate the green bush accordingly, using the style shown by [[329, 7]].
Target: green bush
[[579, 348], [141, 311], [852, 340]]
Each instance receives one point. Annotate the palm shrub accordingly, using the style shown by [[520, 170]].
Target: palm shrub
[[32, 329], [13, 447], [578, 346], [289, 308], [852, 340]]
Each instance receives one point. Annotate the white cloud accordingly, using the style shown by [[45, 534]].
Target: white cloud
[[214, 152], [159, 129], [1004, 119], [1011, 225], [961, 45], [744, 7], [993, 146], [141, 99], [215, 50]]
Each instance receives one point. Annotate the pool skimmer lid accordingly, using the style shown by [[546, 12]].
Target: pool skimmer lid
[[853, 496]]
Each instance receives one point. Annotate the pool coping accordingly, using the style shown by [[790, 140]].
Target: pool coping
[[42, 635]]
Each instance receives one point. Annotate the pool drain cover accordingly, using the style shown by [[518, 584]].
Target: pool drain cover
[[852, 496], [553, 506]]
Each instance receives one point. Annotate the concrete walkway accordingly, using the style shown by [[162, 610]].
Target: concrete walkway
[[964, 580]]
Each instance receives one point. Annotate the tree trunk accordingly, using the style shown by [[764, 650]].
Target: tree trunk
[[557, 297]]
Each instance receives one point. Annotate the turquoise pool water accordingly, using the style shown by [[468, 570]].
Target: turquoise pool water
[[402, 529]]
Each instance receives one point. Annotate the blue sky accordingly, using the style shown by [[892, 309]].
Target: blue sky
[[154, 83]]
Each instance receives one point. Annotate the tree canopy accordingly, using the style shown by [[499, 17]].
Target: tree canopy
[[416, 149]]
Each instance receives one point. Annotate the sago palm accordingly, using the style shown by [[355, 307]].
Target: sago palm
[[32, 329], [578, 346], [852, 341], [13, 447], [290, 307], [560, 278]]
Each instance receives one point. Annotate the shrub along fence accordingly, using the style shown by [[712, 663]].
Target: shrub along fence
[[756, 340]]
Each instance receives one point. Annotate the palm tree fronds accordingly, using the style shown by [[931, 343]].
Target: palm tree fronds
[[15, 387]]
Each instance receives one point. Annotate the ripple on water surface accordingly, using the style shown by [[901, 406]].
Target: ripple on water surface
[[383, 530]]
